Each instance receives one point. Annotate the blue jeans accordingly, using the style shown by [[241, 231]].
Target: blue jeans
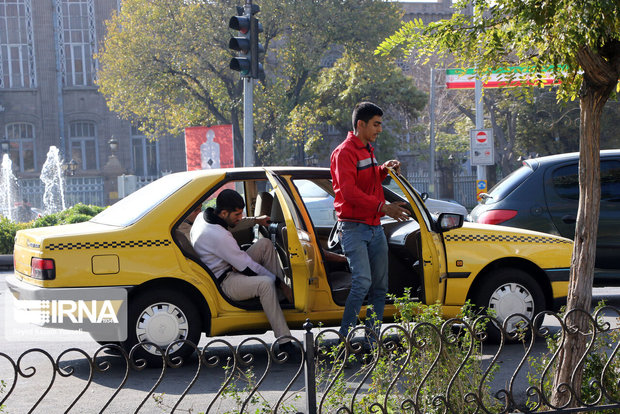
[[366, 250]]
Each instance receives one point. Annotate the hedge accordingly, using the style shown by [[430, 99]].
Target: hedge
[[76, 214]]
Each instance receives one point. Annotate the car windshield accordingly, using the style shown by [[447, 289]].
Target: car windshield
[[133, 207], [508, 184], [309, 189]]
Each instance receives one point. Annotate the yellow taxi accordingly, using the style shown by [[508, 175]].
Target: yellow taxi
[[137, 246]]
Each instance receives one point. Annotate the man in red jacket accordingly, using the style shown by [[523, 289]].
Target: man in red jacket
[[359, 204]]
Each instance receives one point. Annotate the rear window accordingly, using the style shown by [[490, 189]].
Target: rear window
[[508, 184], [133, 207]]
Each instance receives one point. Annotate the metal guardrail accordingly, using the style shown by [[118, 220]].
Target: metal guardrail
[[419, 367]]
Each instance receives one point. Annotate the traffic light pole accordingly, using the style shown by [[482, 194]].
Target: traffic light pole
[[248, 122], [248, 110]]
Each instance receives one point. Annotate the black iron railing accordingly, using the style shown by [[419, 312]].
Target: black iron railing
[[410, 368]]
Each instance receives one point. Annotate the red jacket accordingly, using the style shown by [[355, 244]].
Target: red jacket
[[357, 179]]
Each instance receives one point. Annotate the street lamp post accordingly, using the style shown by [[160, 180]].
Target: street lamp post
[[111, 171], [6, 145]]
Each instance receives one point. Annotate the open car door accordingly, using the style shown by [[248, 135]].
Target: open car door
[[433, 251], [292, 243]]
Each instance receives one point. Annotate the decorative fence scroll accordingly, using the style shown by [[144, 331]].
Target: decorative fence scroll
[[410, 368]]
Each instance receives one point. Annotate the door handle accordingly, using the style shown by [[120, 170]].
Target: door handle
[[569, 219]]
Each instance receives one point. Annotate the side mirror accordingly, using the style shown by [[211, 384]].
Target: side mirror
[[424, 196], [449, 221]]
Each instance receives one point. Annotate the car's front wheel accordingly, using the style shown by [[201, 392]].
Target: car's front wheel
[[506, 292], [162, 317]]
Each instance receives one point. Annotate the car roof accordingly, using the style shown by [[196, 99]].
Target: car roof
[[257, 171], [569, 156]]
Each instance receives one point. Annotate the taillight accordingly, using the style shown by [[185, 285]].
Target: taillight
[[42, 269], [496, 216]]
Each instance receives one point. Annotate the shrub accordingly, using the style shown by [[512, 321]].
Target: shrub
[[76, 214], [8, 228], [423, 356]]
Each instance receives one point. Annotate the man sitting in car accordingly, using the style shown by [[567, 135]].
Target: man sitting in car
[[242, 274]]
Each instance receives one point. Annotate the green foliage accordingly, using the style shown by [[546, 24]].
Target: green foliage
[[8, 228], [426, 357], [566, 37], [598, 356], [2, 387], [76, 214], [165, 64], [353, 79]]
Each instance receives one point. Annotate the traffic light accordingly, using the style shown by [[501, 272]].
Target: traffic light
[[247, 62]]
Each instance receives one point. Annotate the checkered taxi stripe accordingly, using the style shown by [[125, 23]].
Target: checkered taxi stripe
[[108, 245], [502, 238]]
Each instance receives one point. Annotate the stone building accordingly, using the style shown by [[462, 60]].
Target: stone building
[[48, 97]]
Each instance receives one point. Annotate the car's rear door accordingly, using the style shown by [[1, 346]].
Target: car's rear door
[[562, 196], [298, 244]]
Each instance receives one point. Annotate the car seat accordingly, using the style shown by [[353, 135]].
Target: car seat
[[279, 237], [264, 202]]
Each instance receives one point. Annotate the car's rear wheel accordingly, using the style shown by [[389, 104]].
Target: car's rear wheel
[[506, 292], [162, 317]]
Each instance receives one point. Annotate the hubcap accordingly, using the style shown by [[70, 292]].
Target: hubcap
[[161, 323], [509, 299]]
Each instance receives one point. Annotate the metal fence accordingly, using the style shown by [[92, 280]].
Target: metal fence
[[464, 186], [86, 190], [419, 367]]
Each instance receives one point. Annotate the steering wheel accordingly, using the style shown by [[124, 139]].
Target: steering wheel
[[333, 240]]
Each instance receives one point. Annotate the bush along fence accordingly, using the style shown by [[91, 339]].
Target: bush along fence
[[420, 364]]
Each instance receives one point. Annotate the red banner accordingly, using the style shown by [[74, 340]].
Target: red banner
[[209, 147]]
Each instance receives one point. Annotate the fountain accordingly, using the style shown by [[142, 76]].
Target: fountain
[[8, 188], [51, 175]]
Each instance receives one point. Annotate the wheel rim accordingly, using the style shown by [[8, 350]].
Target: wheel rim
[[509, 299], [161, 323]]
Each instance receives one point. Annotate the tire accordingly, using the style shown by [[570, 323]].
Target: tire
[[508, 291], [161, 317]]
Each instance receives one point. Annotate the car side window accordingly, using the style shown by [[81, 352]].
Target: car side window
[[238, 186], [566, 182], [610, 180]]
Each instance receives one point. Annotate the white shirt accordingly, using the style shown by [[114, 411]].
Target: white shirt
[[219, 250]]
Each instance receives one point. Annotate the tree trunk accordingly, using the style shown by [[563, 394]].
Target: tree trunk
[[595, 91]]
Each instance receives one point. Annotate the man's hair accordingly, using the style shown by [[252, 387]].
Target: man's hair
[[228, 200], [364, 111]]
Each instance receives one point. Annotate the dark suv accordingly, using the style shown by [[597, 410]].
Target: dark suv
[[543, 195]]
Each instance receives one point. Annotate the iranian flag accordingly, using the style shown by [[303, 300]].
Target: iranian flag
[[466, 78]]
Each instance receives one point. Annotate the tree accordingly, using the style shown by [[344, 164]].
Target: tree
[[357, 76], [580, 43], [165, 62]]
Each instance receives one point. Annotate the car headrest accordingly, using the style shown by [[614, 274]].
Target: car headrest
[[264, 201], [277, 216]]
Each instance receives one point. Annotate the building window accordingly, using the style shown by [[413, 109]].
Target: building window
[[144, 154], [17, 65], [84, 149], [21, 146], [77, 41]]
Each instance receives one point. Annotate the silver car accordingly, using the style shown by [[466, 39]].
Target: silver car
[[320, 203]]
